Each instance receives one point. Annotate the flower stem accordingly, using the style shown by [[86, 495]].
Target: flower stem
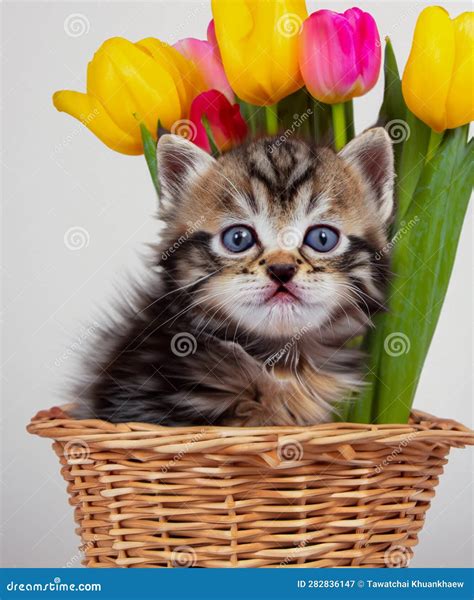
[[349, 112], [433, 144], [339, 125], [271, 118], [316, 133]]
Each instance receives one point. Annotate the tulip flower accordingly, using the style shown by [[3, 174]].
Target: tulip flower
[[339, 58], [205, 58], [339, 54], [439, 75], [129, 85], [224, 120], [211, 37], [258, 43]]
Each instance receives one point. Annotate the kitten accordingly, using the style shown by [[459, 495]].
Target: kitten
[[271, 261]]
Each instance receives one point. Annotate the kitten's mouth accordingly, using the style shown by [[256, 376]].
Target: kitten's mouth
[[283, 294]]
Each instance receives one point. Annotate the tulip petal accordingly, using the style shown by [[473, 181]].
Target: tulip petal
[[460, 101], [189, 82], [225, 121], [258, 43], [427, 77], [285, 74], [104, 83], [233, 25], [367, 48], [208, 64], [134, 77], [211, 36], [93, 115], [328, 58]]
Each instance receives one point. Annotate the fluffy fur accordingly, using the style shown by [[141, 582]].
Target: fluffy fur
[[210, 341]]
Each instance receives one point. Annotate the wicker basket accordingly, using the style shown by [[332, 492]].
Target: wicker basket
[[339, 494]]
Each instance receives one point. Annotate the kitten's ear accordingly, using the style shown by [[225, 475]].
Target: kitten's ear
[[179, 162], [371, 154]]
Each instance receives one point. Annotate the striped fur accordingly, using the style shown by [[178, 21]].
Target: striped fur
[[245, 360]]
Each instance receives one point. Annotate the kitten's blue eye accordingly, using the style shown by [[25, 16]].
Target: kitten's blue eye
[[321, 238], [238, 238]]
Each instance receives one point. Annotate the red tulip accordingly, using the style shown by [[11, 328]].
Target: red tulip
[[227, 126]]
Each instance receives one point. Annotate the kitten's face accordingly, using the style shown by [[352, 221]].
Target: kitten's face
[[281, 238]]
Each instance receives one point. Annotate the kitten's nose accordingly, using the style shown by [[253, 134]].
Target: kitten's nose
[[281, 273]]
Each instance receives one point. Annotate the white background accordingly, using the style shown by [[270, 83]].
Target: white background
[[56, 175]]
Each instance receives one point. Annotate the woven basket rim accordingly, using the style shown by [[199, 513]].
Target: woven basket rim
[[104, 434]]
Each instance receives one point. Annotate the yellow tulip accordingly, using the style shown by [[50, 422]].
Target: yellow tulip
[[438, 79], [258, 43], [129, 84]]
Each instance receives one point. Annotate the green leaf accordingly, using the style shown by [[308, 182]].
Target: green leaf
[[392, 116], [317, 127], [254, 116], [361, 408], [423, 259], [410, 136], [342, 410], [393, 105], [210, 136], [322, 123], [149, 150], [412, 160], [393, 111], [294, 115]]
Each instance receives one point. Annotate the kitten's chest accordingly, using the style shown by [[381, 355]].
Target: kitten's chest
[[284, 397], [247, 391]]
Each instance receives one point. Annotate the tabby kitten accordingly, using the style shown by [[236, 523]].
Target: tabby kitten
[[271, 261]]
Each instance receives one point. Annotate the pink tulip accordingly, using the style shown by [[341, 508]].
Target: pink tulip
[[339, 54], [205, 57], [211, 37], [225, 121]]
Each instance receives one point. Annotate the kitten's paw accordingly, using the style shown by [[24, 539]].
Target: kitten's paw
[[55, 412]]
